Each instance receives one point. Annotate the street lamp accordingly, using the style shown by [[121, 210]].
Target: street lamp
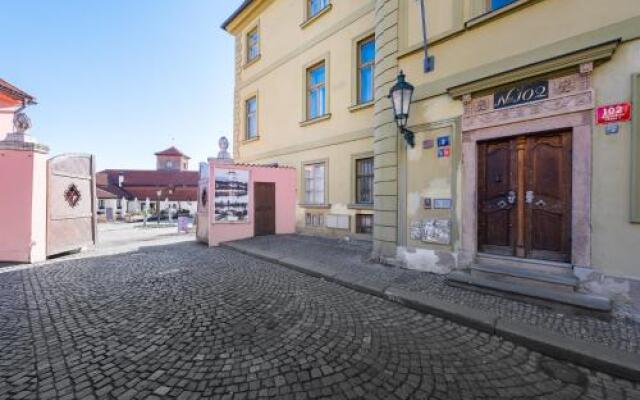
[[401, 94]]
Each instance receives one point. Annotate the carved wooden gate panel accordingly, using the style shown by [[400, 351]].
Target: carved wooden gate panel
[[71, 203], [202, 217]]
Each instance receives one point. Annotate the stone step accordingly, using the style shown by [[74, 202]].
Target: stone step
[[574, 299], [523, 263], [563, 280]]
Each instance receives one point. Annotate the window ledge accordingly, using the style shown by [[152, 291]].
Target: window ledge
[[313, 19], [356, 206], [489, 15], [315, 206], [247, 141], [250, 63], [358, 107], [315, 120]]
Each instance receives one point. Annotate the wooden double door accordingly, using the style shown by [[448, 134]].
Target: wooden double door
[[524, 196], [264, 208]]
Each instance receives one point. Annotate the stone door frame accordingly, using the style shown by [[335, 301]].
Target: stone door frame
[[569, 106], [580, 123]]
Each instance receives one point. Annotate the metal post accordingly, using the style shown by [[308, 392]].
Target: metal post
[[429, 61]]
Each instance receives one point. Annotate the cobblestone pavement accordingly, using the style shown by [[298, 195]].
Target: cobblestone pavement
[[614, 331], [185, 321]]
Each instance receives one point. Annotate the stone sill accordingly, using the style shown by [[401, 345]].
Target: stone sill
[[315, 206], [360, 207], [248, 141], [489, 15], [250, 63], [358, 107], [315, 120]]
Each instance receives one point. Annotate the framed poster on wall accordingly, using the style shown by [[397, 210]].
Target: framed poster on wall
[[231, 196]]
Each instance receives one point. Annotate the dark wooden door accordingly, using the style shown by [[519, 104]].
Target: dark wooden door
[[524, 196], [548, 197], [496, 197], [264, 208]]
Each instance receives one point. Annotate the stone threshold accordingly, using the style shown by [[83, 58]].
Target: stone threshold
[[592, 355]]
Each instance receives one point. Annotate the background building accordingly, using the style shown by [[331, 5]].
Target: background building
[[511, 167], [171, 185]]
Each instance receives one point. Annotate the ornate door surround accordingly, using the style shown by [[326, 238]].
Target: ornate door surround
[[568, 105]]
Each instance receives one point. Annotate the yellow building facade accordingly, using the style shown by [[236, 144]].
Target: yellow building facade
[[510, 165]]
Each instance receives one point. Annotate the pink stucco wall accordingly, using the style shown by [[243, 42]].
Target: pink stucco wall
[[285, 180], [23, 205]]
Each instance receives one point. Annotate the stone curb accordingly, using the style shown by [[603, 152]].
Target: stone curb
[[591, 355]]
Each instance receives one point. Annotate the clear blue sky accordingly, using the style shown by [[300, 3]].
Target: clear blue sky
[[121, 78]]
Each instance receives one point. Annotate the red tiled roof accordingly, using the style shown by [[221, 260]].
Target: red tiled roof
[[104, 194], [14, 92], [172, 151], [147, 177]]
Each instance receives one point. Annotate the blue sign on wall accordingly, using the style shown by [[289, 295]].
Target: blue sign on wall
[[443, 141]]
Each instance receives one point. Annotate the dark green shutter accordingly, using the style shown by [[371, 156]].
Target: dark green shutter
[[635, 149]]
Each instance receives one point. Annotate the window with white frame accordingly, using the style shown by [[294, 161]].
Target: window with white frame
[[366, 64], [252, 118], [314, 183], [316, 91], [314, 7], [253, 44]]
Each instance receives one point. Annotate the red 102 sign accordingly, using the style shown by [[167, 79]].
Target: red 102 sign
[[614, 113]]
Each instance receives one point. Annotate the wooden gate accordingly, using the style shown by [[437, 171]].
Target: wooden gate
[[71, 203], [264, 208], [202, 215]]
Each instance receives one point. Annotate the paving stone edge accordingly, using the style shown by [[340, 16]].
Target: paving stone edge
[[592, 355]]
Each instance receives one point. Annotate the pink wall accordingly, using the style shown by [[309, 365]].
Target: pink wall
[[285, 180], [23, 205]]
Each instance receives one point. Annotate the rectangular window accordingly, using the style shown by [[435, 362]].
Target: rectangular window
[[253, 44], [495, 4], [251, 108], [100, 203], [314, 176], [315, 6], [364, 223], [366, 63], [316, 91], [364, 181]]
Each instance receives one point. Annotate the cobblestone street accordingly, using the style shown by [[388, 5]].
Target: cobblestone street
[[184, 321]]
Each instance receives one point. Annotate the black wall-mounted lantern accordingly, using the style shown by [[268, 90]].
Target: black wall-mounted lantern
[[401, 94]]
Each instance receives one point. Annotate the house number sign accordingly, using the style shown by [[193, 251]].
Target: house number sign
[[521, 94]]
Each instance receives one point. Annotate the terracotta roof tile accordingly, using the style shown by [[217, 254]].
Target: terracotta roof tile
[[13, 91], [172, 151]]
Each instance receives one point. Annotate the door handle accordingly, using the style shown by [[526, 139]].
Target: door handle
[[541, 203], [529, 196]]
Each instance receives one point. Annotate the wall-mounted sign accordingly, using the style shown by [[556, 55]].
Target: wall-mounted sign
[[443, 141], [520, 94], [613, 113], [612, 129], [426, 203], [431, 230], [231, 196], [427, 144], [444, 152], [442, 204]]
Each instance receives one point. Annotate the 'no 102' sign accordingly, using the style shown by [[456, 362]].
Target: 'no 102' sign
[[614, 113]]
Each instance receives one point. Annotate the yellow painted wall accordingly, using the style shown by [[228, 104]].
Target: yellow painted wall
[[615, 240], [278, 81]]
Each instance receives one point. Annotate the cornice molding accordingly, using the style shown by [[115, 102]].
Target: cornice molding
[[594, 54]]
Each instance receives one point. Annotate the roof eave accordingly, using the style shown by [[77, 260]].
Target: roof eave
[[235, 14]]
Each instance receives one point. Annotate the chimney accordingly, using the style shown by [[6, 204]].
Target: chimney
[[120, 180]]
